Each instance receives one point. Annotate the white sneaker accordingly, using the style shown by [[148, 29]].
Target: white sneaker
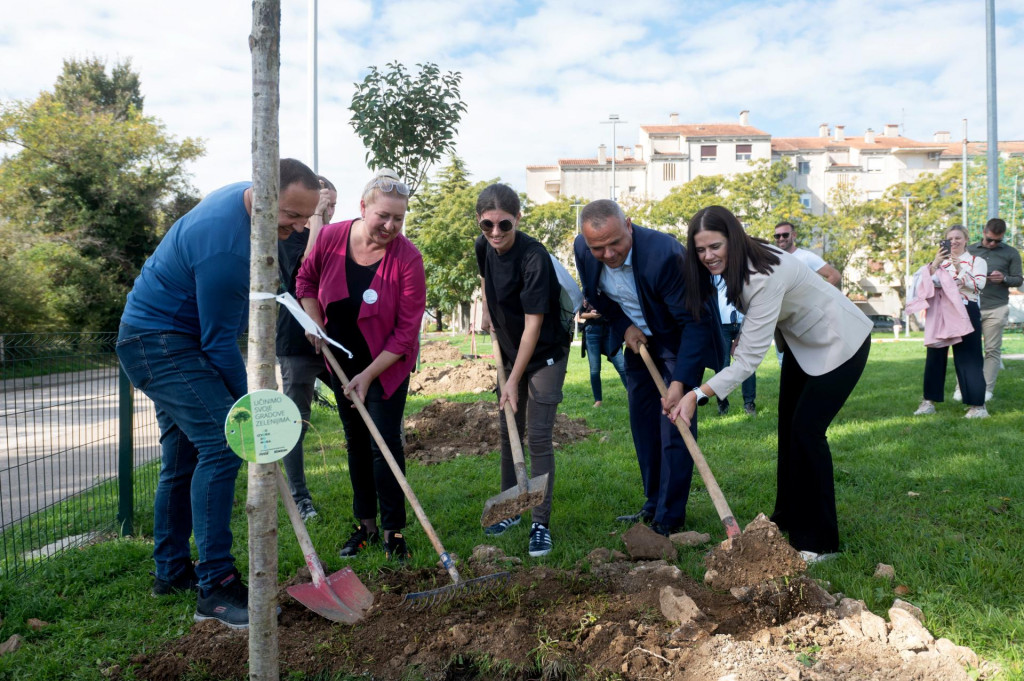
[[988, 395], [810, 557], [926, 407], [957, 397], [976, 413]]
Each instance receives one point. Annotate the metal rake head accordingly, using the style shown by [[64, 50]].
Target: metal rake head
[[471, 587]]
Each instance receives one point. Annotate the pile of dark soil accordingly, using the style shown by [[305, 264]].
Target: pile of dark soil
[[613, 618], [444, 430]]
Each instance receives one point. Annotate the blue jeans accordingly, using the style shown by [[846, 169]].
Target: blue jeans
[[597, 338], [749, 387], [196, 489]]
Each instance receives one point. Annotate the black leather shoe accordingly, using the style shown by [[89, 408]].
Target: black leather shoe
[[723, 407], [665, 530], [640, 516]]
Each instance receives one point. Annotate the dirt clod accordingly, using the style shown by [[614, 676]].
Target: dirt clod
[[760, 553]]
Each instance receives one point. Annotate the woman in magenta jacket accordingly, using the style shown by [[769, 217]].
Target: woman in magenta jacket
[[364, 284]]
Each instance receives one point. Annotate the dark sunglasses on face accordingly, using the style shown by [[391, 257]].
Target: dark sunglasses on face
[[990, 240], [487, 226], [783, 235]]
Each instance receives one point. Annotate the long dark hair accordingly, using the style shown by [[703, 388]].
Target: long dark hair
[[747, 255]]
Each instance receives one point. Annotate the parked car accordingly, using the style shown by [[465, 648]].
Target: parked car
[[883, 322]]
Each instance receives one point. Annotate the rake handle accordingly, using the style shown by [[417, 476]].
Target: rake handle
[[446, 559], [732, 529], [518, 460]]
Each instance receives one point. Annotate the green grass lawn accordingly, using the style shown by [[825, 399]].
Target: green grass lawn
[[940, 498]]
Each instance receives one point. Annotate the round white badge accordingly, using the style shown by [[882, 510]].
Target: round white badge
[[369, 296]]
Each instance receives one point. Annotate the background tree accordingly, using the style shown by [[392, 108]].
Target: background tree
[[761, 197], [407, 122], [553, 224], [92, 172], [674, 211], [442, 224]]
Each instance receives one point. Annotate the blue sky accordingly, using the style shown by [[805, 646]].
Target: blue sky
[[538, 77]]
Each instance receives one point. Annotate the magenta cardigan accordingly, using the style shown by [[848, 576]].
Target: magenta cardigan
[[391, 323]]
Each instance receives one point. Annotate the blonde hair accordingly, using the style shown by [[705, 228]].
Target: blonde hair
[[385, 182]]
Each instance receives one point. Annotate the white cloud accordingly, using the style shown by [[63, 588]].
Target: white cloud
[[539, 77]]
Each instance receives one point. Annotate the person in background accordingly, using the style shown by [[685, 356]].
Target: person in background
[[363, 282], [732, 319], [1004, 272], [597, 342], [785, 238], [178, 343], [634, 276], [827, 344], [300, 364], [521, 303], [968, 272]]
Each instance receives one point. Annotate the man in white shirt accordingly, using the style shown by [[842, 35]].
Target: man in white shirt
[[785, 238]]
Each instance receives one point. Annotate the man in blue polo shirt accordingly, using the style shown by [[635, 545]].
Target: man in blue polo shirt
[[178, 343]]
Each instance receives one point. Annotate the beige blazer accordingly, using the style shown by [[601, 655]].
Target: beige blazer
[[820, 326]]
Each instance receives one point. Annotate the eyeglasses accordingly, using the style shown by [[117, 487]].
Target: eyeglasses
[[487, 226], [990, 240], [783, 235], [388, 185]]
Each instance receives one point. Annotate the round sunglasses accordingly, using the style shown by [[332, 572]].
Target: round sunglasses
[[487, 226]]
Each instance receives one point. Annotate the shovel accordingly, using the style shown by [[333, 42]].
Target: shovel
[[732, 529], [341, 597], [459, 586], [528, 492]]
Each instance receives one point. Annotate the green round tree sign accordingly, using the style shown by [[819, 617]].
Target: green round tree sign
[[263, 426]]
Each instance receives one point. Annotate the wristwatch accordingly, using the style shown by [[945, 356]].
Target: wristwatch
[[702, 399]]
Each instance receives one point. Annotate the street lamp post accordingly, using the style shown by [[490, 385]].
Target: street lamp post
[[613, 120], [906, 268]]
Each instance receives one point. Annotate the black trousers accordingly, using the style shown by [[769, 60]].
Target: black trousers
[[805, 502], [968, 360], [372, 479]]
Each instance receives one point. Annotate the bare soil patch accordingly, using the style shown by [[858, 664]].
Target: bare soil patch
[[477, 376], [444, 430], [439, 351], [609, 618]]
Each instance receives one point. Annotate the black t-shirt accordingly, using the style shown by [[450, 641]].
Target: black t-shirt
[[291, 338], [343, 314], [519, 282]]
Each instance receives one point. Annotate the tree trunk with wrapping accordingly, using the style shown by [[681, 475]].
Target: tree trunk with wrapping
[[261, 504]]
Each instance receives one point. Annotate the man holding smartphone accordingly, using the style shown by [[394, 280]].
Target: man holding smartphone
[[1004, 271]]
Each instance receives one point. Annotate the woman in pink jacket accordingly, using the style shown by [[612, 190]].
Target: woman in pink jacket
[[364, 284], [969, 274]]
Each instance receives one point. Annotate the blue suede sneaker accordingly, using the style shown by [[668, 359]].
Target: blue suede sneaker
[[501, 526], [540, 540]]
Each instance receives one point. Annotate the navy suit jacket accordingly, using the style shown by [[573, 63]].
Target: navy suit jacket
[[658, 261]]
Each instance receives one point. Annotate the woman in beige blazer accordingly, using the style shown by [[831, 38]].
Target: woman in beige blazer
[[826, 341]]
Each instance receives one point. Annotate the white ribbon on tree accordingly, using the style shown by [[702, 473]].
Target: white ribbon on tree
[[289, 303]]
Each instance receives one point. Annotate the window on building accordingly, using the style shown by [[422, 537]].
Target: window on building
[[708, 152], [743, 152], [632, 189], [875, 164], [805, 201], [668, 172], [803, 167]]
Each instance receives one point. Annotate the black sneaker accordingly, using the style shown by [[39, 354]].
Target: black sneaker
[[357, 541], [723, 407], [750, 408], [395, 548], [227, 601], [640, 516], [540, 540], [306, 510], [501, 527], [184, 582]]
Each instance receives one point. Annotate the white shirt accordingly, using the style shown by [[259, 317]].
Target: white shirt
[[724, 308], [809, 258], [618, 284]]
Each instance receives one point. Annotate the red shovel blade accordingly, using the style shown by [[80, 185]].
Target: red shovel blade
[[342, 598]]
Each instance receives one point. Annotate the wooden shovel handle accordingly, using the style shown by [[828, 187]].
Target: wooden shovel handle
[[446, 559], [316, 570], [717, 498], [518, 460]]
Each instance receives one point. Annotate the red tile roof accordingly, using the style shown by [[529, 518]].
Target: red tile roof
[[593, 162], [881, 143], [705, 130], [979, 148], [542, 167]]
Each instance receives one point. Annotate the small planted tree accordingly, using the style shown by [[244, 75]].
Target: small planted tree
[[407, 122], [241, 417]]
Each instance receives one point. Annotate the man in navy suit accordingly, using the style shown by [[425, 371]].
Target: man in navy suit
[[634, 277]]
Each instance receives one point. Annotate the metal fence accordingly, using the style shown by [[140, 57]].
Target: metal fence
[[80, 446]]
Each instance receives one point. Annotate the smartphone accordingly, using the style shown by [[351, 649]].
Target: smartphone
[[946, 245]]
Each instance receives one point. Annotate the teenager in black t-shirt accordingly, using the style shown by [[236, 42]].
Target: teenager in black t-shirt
[[521, 293]]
